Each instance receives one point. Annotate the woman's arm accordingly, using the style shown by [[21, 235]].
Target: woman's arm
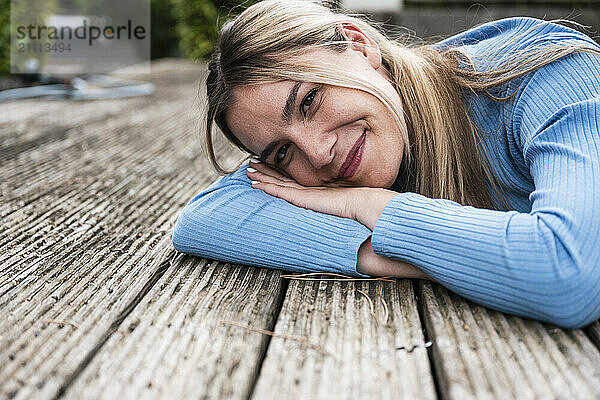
[[230, 221], [544, 264], [362, 204]]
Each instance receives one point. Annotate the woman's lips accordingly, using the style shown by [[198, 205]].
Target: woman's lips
[[353, 158]]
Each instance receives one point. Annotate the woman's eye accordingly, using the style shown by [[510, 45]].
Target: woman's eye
[[281, 153], [308, 100]]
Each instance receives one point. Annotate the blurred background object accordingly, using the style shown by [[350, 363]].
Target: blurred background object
[[373, 5], [189, 28], [56, 49]]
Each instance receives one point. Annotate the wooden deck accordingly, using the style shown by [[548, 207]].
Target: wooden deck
[[96, 303]]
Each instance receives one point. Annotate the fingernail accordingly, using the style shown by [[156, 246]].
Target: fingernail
[[254, 182], [254, 160], [250, 169]]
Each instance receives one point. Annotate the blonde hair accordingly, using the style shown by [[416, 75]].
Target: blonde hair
[[443, 154]]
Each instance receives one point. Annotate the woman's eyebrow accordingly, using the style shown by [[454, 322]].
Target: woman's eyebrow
[[290, 104]]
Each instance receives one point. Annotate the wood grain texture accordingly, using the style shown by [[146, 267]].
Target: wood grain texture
[[174, 346], [96, 303], [358, 355], [480, 353], [87, 215]]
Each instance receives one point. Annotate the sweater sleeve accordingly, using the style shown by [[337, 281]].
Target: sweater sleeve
[[233, 222], [544, 264]]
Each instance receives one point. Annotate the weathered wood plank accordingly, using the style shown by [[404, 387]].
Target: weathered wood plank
[[360, 356], [173, 345], [93, 233], [26, 121], [87, 209], [131, 169], [481, 353]]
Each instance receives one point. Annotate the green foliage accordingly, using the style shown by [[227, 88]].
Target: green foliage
[[164, 40], [199, 21], [30, 11], [25, 13], [4, 37]]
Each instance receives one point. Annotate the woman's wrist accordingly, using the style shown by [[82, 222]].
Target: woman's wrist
[[370, 204], [368, 262]]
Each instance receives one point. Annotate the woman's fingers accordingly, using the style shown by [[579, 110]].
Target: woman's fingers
[[321, 199], [282, 191], [295, 194], [265, 169], [257, 175]]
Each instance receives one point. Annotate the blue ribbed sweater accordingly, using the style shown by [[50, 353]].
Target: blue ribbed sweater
[[538, 259]]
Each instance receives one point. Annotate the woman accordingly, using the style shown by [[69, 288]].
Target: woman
[[473, 162]]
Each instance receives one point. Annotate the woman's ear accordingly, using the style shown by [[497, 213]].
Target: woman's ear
[[360, 42]]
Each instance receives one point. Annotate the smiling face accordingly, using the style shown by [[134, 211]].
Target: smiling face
[[327, 135]]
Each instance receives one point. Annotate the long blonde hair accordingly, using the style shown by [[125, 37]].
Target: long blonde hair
[[443, 154]]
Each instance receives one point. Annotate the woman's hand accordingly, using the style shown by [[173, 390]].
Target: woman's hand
[[363, 204]]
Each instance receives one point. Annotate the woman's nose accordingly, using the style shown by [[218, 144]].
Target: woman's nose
[[319, 147]]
